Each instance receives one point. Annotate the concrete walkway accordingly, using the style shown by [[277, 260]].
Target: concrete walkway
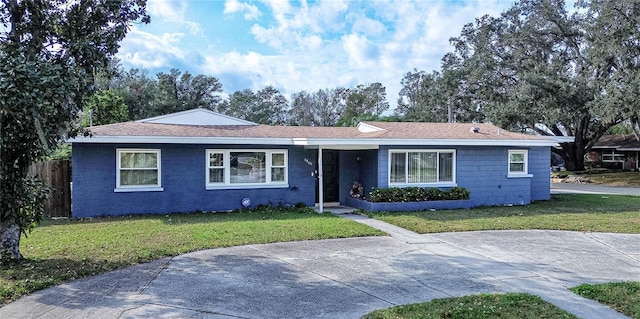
[[347, 278]]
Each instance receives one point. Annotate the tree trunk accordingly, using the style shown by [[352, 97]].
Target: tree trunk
[[10, 240], [572, 155], [575, 163]]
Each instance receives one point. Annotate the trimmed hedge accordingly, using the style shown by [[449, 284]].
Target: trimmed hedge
[[416, 194]]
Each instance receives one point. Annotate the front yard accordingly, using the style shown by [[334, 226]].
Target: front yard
[[578, 212], [63, 250]]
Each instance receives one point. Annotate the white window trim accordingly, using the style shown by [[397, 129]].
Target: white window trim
[[612, 156], [451, 183], [138, 188], [227, 169], [523, 174]]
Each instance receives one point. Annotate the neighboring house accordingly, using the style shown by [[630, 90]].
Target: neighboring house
[[615, 151], [200, 160]]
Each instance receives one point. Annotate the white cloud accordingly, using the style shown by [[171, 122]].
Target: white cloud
[[268, 36], [327, 16], [364, 25], [290, 73], [316, 45], [146, 50], [234, 6], [173, 11], [360, 51], [300, 27], [166, 9]]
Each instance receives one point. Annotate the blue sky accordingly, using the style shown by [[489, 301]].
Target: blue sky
[[300, 45]]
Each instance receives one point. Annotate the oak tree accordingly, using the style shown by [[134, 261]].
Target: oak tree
[[49, 52], [542, 68]]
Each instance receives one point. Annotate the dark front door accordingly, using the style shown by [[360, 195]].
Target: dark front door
[[330, 171]]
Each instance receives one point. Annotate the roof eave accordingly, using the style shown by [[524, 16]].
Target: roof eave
[[306, 141], [105, 139], [434, 142]]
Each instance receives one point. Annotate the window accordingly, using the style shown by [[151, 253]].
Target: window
[[138, 169], [216, 167], [518, 162], [278, 168], [612, 156], [246, 168], [421, 167]]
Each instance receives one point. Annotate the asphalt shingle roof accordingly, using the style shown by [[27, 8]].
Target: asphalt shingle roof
[[388, 130], [630, 141]]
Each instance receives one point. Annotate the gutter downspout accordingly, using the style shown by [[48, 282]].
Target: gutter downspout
[[320, 181]]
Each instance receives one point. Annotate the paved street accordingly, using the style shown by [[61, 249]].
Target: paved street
[[561, 188]]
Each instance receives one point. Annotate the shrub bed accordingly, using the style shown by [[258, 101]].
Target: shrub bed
[[416, 194]]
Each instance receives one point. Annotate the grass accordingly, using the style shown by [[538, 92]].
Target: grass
[[621, 296], [63, 250], [608, 177], [578, 212], [485, 306]]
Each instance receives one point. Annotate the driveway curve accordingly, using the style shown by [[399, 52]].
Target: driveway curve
[[347, 278]]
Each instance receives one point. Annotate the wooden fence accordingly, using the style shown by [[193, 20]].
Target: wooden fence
[[57, 175]]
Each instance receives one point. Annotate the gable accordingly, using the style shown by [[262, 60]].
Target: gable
[[196, 117]]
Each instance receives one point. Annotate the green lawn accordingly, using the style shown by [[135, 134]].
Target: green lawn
[[485, 306], [621, 296], [607, 177], [579, 212], [62, 250]]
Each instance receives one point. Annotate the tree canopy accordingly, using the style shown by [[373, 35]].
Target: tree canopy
[[541, 68], [179, 91], [321, 108], [49, 52], [267, 106], [104, 107], [148, 96], [364, 102]]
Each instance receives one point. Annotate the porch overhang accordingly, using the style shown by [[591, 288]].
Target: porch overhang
[[374, 143], [352, 147]]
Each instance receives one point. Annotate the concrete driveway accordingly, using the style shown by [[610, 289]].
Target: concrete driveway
[[347, 278]]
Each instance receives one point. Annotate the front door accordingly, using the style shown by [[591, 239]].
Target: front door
[[330, 171]]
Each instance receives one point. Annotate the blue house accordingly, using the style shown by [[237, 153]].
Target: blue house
[[202, 160]]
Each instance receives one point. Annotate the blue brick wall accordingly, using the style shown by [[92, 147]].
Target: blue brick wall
[[368, 170], [383, 166], [349, 172], [483, 171], [183, 180], [539, 163]]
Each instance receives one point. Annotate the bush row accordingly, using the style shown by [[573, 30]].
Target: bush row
[[416, 194]]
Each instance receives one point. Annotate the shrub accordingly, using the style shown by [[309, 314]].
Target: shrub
[[416, 194], [457, 193], [435, 194]]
